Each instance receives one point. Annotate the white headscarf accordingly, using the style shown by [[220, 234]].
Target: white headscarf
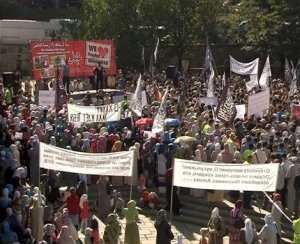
[[249, 232], [215, 213], [269, 223]]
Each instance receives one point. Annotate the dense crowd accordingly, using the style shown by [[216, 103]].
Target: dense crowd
[[44, 206]]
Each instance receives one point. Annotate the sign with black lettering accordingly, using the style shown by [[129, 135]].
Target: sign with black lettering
[[228, 177], [93, 114]]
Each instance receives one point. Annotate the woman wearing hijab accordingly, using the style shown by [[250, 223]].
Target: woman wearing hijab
[[112, 230], [268, 233], [132, 235], [163, 228], [237, 218], [216, 229], [103, 199], [65, 237], [249, 232]]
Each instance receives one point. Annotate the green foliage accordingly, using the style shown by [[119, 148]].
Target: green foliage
[[264, 25]]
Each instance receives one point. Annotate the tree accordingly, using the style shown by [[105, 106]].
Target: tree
[[265, 25]]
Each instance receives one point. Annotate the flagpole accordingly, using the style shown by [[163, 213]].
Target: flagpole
[[171, 202]]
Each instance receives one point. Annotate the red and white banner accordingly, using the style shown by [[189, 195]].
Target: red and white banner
[[82, 57]]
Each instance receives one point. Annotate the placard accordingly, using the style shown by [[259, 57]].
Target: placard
[[240, 111], [212, 101], [259, 103], [110, 164], [94, 114], [219, 176], [46, 98]]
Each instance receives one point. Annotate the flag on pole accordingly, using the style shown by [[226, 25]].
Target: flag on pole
[[136, 103], [293, 85], [266, 74], [159, 119], [151, 66], [210, 85], [226, 110], [143, 57], [156, 51], [208, 60], [288, 75], [223, 81]]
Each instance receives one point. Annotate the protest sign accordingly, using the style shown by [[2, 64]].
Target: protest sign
[[112, 164], [240, 111], [259, 103], [94, 114], [46, 98], [217, 176], [295, 111], [82, 56]]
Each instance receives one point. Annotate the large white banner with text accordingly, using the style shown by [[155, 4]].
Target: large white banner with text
[[93, 114], [111, 164], [219, 176]]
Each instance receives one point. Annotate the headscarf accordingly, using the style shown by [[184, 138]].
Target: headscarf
[[52, 141], [117, 147], [131, 212], [160, 217], [215, 213], [83, 199], [249, 232], [270, 224], [65, 236]]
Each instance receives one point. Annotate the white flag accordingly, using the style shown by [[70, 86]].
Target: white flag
[[293, 85], [223, 80], [136, 103], [158, 123], [156, 51], [210, 85], [266, 74]]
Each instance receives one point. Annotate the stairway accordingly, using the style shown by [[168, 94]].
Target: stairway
[[196, 212]]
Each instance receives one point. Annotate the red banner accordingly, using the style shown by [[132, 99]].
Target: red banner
[[82, 57]]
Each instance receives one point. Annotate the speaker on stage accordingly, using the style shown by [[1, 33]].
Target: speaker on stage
[[171, 72]]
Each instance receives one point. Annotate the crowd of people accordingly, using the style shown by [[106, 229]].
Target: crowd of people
[[44, 206]]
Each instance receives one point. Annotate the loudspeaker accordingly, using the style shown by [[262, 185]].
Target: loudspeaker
[[171, 72]]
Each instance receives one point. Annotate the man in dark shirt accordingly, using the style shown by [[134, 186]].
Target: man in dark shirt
[[66, 77], [99, 77]]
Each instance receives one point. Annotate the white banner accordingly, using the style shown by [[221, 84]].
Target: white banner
[[93, 114], [259, 103], [111, 164], [250, 68], [46, 98], [229, 177]]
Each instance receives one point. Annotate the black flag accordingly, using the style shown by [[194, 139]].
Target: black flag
[[226, 110]]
